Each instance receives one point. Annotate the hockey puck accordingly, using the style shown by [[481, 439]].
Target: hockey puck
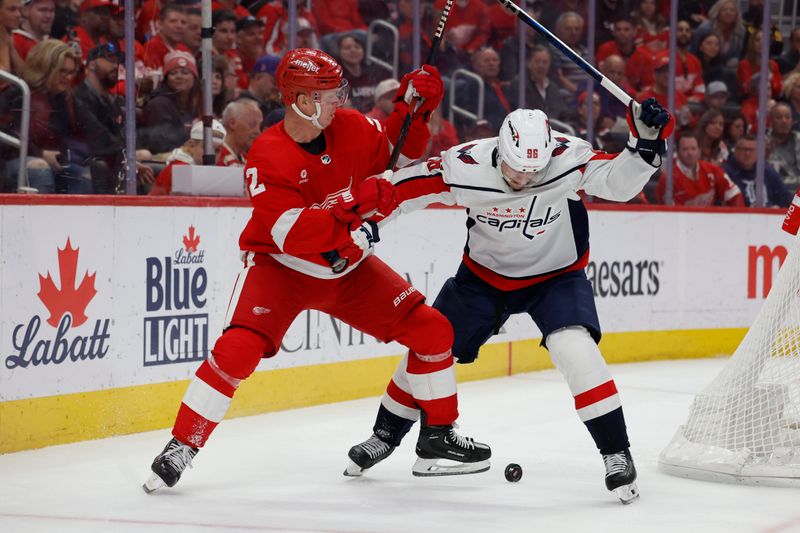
[[513, 472]]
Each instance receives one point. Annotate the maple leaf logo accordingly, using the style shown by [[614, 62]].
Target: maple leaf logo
[[67, 299], [191, 241]]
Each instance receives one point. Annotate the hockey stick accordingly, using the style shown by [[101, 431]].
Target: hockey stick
[[437, 37], [612, 87], [338, 263]]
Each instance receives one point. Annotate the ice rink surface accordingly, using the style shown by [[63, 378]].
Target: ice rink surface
[[283, 472]]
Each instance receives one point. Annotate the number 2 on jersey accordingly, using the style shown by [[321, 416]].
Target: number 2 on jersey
[[255, 187]]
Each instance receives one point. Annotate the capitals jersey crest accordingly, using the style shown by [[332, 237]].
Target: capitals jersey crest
[[465, 156]]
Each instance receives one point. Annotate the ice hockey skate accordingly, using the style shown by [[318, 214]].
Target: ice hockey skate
[[621, 476], [168, 465], [367, 454], [441, 451]]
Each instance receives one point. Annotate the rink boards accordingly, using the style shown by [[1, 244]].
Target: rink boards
[[109, 305]]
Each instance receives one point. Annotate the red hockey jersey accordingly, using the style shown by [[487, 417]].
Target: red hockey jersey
[[711, 186], [292, 190]]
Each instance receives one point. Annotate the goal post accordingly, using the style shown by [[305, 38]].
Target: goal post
[[744, 427]]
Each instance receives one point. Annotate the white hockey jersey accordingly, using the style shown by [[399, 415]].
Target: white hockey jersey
[[519, 238]]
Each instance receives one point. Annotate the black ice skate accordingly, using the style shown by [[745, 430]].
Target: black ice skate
[[168, 465], [462, 454], [367, 454], [621, 476]]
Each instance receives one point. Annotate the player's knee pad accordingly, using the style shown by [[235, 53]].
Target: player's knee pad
[[576, 355], [239, 350], [429, 332]]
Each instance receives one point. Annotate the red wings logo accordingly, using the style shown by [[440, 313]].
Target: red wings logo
[[190, 241], [67, 299]]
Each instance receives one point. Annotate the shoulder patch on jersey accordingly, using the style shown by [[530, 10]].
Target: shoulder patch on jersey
[[563, 142], [465, 156]]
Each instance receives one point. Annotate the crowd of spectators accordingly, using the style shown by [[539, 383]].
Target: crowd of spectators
[[70, 52]]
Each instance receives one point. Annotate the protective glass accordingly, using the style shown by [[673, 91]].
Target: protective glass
[[336, 96]]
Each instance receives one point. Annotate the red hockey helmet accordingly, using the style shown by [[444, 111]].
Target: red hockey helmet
[[305, 70]]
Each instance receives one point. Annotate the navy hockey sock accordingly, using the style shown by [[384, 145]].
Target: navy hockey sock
[[609, 432]]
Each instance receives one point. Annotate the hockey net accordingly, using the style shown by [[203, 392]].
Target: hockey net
[[745, 425]]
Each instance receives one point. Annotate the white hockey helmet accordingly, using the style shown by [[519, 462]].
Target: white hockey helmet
[[525, 142]]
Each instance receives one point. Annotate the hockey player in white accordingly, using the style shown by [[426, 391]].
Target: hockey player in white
[[527, 245]]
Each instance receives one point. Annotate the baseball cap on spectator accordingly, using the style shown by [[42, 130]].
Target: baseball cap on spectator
[[385, 87], [303, 26], [716, 87], [106, 50], [266, 64], [217, 132], [246, 22], [87, 5], [661, 61], [178, 59]]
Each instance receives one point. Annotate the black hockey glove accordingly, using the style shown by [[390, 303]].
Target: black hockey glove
[[650, 126]]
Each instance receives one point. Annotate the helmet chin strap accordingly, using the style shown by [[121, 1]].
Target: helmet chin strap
[[313, 118]]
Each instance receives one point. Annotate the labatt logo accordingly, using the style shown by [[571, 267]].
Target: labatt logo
[[175, 331], [66, 305]]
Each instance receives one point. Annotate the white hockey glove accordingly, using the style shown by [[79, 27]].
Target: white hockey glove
[[650, 126]]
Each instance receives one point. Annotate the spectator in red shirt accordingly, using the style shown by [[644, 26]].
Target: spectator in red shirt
[[623, 44], [189, 153], [242, 121], [337, 16], [696, 182], [750, 104], [170, 37], [249, 45], [147, 19], [383, 96], [275, 16], [37, 21], [95, 24], [650, 25], [468, 26], [502, 25], [659, 90], [751, 63]]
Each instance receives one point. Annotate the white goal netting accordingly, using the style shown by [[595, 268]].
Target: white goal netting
[[745, 425]]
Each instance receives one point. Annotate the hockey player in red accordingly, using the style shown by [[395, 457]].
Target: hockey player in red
[[306, 178], [528, 243]]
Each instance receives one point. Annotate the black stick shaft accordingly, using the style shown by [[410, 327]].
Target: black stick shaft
[[437, 38]]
